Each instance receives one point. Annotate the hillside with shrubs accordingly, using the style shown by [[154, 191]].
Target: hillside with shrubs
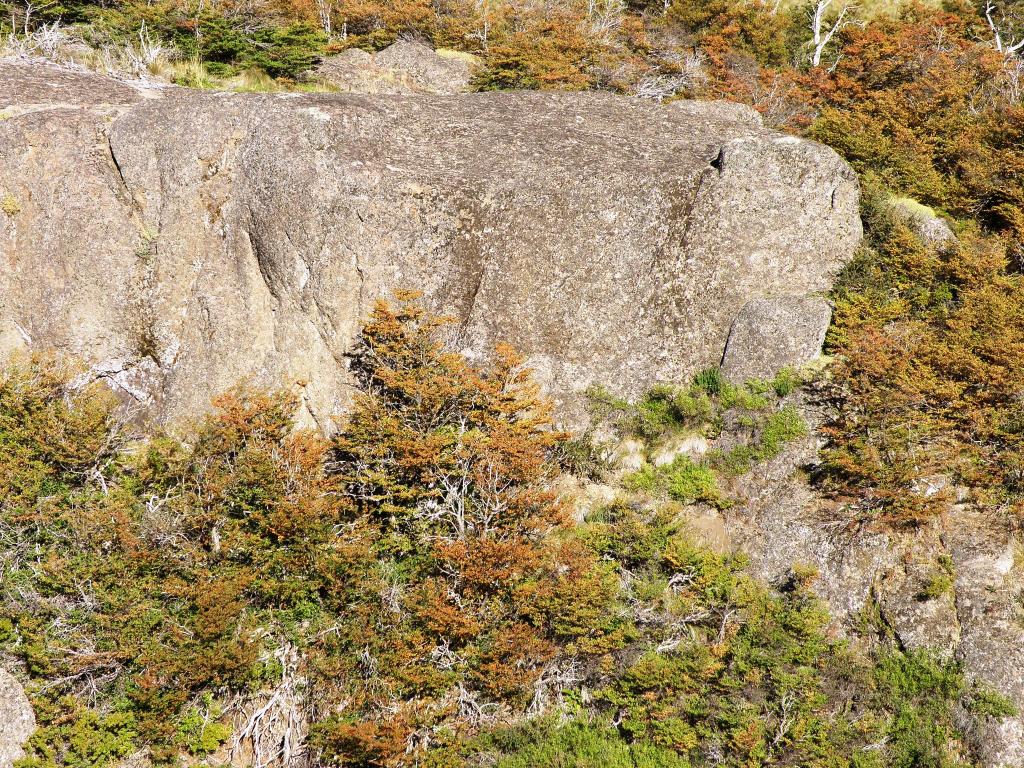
[[415, 592], [418, 589]]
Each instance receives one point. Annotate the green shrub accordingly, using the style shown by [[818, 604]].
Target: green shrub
[[226, 46], [778, 429], [710, 381], [940, 581], [81, 738], [200, 730], [582, 745], [769, 436], [684, 480], [988, 703], [688, 481], [920, 690], [785, 382]]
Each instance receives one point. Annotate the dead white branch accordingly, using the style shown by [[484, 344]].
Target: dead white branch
[[274, 731], [821, 32], [1008, 46]]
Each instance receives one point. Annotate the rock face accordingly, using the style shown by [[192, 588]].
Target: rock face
[[406, 67], [179, 241], [888, 576], [769, 334], [17, 721], [932, 229]]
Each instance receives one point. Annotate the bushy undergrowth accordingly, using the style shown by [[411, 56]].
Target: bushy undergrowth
[[413, 564], [411, 588], [720, 670], [928, 380], [753, 414]]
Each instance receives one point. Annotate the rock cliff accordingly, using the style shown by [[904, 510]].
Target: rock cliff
[[17, 720], [179, 241], [405, 67]]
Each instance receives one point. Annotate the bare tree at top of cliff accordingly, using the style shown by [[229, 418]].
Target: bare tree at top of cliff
[[323, 10], [485, 10], [821, 32], [1007, 32]]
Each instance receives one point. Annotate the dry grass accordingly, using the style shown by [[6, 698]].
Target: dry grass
[[448, 53], [142, 60]]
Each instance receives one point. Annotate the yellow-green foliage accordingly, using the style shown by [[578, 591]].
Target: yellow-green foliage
[[914, 208], [683, 480], [755, 418], [10, 205], [720, 662], [200, 728], [940, 580], [870, 9]]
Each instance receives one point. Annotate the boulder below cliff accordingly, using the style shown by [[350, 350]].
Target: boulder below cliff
[[180, 241], [769, 334]]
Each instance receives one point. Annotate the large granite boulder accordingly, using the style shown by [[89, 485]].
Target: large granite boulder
[[179, 241], [769, 334]]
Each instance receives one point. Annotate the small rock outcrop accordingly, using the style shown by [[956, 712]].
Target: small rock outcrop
[[405, 67], [933, 229], [179, 241], [17, 720], [772, 333], [954, 590]]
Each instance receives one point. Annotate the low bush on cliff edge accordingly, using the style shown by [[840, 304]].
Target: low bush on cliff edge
[[760, 424]]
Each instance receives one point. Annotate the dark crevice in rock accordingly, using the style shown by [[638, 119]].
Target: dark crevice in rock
[[117, 167], [718, 163]]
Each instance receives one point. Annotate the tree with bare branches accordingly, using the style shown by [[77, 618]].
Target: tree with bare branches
[[825, 27], [1006, 22]]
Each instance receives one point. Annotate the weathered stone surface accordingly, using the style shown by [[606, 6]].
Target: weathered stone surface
[[988, 589], [179, 241], [770, 334], [354, 71], [28, 84], [867, 571], [406, 67], [441, 72], [17, 721]]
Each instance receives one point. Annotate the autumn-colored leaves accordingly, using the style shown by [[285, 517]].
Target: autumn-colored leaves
[[416, 560]]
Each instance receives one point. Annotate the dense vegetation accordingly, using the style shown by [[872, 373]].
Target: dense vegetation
[[419, 572], [413, 590]]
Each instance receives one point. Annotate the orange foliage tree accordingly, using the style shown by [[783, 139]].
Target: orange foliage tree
[[918, 103], [406, 583], [476, 592]]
